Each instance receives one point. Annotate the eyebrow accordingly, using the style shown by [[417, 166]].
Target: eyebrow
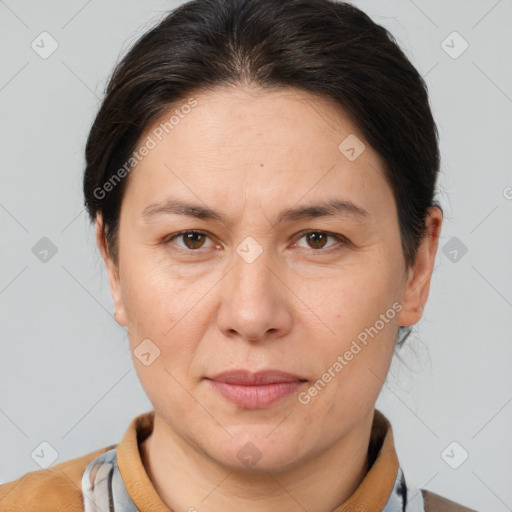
[[329, 208]]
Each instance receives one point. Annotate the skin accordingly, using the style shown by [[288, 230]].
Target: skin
[[250, 154]]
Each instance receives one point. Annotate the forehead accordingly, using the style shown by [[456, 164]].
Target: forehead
[[240, 118], [236, 144]]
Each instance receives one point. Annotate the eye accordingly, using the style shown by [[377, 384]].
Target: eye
[[318, 239], [192, 240]]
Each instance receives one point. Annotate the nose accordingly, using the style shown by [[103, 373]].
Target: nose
[[255, 303]]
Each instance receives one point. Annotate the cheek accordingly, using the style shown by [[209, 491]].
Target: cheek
[[159, 310], [167, 309], [155, 298], [357, 316], [351, 298]]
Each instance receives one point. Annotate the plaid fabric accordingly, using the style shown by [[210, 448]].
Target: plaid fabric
[[104, 490]]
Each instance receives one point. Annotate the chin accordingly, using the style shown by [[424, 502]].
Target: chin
[[254, 463], [255, 452]]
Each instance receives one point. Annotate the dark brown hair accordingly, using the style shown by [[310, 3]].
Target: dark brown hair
[[327, 48]]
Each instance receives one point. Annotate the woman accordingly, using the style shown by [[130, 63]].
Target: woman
[[262, 178]]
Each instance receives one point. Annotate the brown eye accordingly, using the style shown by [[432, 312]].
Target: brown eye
[[317, 239], [190, 240], [193, 240]]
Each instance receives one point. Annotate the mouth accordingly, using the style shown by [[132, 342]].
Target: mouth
[[258, 390]]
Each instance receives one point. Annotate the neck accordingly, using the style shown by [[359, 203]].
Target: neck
[[187, 479]]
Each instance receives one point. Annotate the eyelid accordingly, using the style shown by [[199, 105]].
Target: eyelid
[[169, 238], [339, 238]]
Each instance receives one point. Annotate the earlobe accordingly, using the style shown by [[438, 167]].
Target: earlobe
[[116, 292], [112, 269], [417, 286]]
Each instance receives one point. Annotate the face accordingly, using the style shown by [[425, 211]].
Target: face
[[250, 240]]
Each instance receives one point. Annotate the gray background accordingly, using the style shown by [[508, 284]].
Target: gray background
[[66, 372]]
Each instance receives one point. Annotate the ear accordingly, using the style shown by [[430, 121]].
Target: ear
[[114, 281], [417, 285]]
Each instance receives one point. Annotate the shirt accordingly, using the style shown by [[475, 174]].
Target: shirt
[[114, 479]]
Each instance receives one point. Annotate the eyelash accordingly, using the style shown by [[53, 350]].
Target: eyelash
[[339, 238]]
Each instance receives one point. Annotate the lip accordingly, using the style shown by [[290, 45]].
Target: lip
[[248, 378], [259, 390]]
